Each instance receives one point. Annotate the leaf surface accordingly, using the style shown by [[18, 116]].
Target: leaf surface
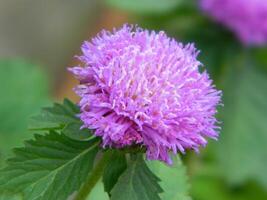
[[24, 89], [116, 166], [62, 117], [244, 134], [137, 182], [174, 180], [49, 165]]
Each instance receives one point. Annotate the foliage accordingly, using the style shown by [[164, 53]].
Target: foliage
[[210, 188], [48, 165], [244, 134], [21, 96], [137, 182], [239, 156], [55, 161], [172, 177], [145, 6], [116, 166], [61, 117], [62, 156], [24, 89]]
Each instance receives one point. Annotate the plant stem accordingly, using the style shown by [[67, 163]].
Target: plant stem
[[93, 177]]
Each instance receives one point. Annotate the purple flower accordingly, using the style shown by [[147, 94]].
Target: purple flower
[[247, 18], [141, 87]]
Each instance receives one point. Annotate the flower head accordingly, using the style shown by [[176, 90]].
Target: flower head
[[141, 87], [247, 18]]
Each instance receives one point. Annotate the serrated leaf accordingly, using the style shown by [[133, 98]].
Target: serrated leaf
[[174, 180], [49, 165], [137, 182], [55, 117], [244, 134], [145, 6], [116, 166], [74, 131], [61, 117]]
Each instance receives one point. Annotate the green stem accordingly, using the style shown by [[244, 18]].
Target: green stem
[[93, 177]]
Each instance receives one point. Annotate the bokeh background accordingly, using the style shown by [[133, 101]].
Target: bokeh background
[[38, 41]]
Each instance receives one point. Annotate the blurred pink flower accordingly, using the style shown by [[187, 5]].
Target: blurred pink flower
[[247, 18], [141, 87]]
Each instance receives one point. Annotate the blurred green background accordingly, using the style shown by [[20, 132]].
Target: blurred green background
[[38, 39]]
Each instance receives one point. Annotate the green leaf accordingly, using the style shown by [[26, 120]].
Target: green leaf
[[145, 6], [61, 117], [8, 196], [207, 187], [98, 192], [116, 166], [174, 180], [74, 131], [55, 117], [259, 55], [242, 148], [49, 165], [24, 89], [137, 182]]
